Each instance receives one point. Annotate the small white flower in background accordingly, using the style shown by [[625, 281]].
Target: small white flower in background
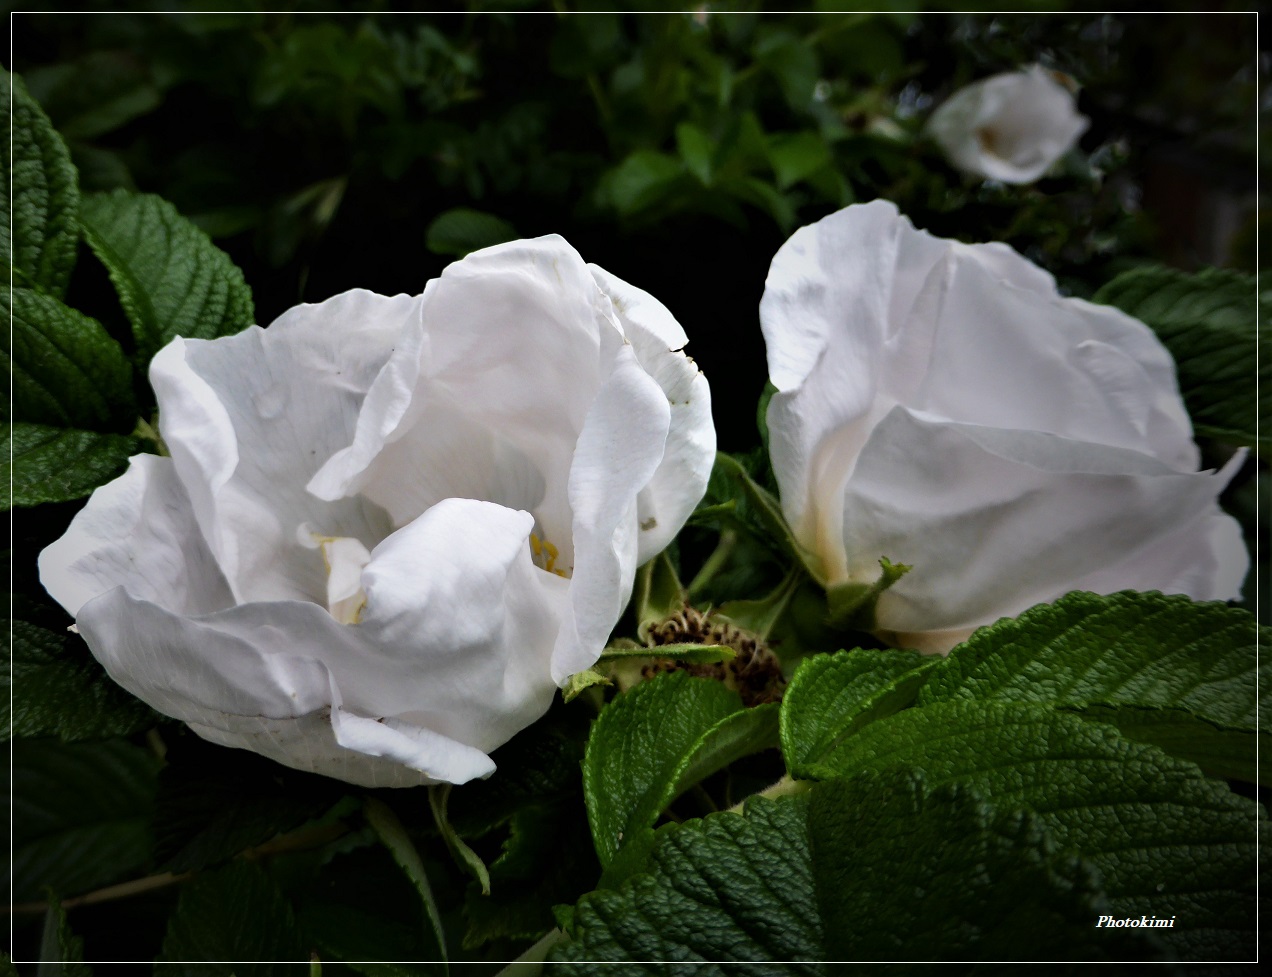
[[389, 528], [940, 405], [1011, 127]]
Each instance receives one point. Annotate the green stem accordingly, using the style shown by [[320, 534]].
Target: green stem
[[715, 562]]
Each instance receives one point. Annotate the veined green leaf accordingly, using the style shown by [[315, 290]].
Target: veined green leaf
[[66, 368], [45, 195], [830, 697], [1161, 667], [880, 867], [172, 280], [1211, 323], [235, 913], [57, 464], [57, 691], [1166, 839], [61, 951], [81, 814], [657, 740]]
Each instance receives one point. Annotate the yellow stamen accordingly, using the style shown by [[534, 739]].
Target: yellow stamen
[[545, 555]]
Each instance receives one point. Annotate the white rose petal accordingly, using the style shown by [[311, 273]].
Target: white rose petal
[[390, 527], [1011, 127], [940, 405]]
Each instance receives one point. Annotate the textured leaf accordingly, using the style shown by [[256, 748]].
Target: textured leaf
[[832, 696], [59, 690], [1196, 662], [723, 888], [547, 859], [39, 463], [360, 909], [538, 765], [655, 741], [1210, 322], [61, 951], [462, 230], [81, 815], [45, 196], [171, 279], [1166, 840], [393, 836], [904, 872], [66, 368], [878, 867], [235, 913], [214, 803]]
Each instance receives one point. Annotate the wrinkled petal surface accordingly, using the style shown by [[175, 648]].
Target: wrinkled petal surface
[[941, 405]]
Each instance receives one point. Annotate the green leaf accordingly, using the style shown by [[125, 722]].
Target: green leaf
[[61, 951], [657, 740], [735, 499], [796, 156], [393, 836], [830, 697], [723, 888], [57, 689], [1182, 667], [793, 64], [214, 803], [1211, 323], [696, 149], [45, 196], [1166, 839], [235, 913], [464, 856], [538, 765], [171, 279], [96, 93], [903, 871], [66, 369], [642, 180], [81, 815], [359, 908], [876, 868], [462, 230], [547, 859], [56, 464]]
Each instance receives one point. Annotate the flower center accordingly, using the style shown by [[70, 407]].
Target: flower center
[[545, 555], [344, 558]]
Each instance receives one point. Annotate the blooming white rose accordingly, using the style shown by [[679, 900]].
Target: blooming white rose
[[390, 527], [940, 405], [1010, 127]]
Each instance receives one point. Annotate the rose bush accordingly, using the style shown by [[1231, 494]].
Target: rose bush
[[390, 527], [1010, 127], [940, 405]]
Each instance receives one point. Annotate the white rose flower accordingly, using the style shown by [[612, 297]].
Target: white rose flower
[[1010, 127], [940, 405], [389, 528]]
